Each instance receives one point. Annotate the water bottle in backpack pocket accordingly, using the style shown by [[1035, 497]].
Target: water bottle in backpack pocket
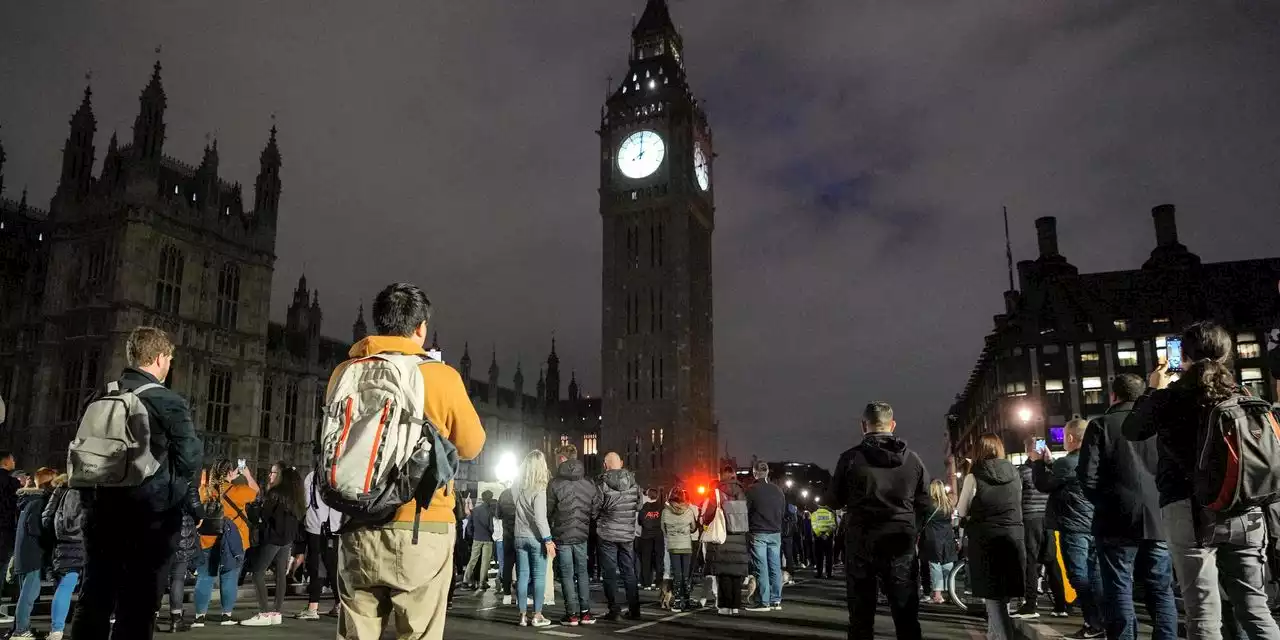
[[1238, 466], [112, 447]]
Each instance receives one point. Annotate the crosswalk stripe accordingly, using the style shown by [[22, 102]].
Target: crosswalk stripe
[[562, 634]]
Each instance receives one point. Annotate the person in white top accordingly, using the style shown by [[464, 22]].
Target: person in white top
[[322, 525]]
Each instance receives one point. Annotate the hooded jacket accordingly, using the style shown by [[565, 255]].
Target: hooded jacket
[[618, 499], [651, 519], [678, 520], [28, 554], [883, 488], [1069, 510], [571, 501], [64, 516]]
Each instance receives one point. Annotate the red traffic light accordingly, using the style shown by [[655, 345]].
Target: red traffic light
[[702, 490]]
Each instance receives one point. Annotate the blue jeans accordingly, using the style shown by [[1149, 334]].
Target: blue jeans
[[1121, 563], [62, 600], [30, 592], [497, 557], [938, 574], [571, 565], [228, 583], [1080, 558], [531, 565], [766, 561]]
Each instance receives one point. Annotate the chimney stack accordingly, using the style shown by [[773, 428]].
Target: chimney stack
[[1047, 233], [1166, 225]]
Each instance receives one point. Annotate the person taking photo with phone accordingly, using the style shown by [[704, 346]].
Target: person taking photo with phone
[[225, 492]]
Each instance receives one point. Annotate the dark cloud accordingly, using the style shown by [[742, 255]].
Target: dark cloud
[[865, 150]]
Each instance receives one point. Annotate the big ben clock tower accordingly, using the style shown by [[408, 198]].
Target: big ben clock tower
[[658, 208]]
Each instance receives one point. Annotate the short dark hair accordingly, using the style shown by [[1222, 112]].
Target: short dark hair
[[5, 455], [400, 309], [487, 495], [1128, 386]]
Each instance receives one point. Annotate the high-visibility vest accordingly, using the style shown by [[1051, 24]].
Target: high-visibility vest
[[824, 523]]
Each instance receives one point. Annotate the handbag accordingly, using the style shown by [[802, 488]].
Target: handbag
[[716, 532]]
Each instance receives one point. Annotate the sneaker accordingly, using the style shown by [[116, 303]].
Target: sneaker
[[335, 612], [760, 607], [277, 619], [506, 601], [260, 620], [724, 612], [23, 634], [586, 618], [1087, 633], [199, 622], [540, 621], [735, 612], [54, 635], [524, 621], [1026, 612], [777, 606], [1060, 614], [308, 614], [571, 621], [225, 620]]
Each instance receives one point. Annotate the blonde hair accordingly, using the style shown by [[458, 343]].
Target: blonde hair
[[534, 474], [44, 476], [941, 499], [60, 481]]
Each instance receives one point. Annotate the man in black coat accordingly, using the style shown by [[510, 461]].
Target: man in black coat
[[9, 486], [1118, 476], [884, 488], [618, 501], [1042, 549], [131, 532], [571, 500]]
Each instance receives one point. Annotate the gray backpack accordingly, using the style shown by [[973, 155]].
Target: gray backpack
[[112, 447]]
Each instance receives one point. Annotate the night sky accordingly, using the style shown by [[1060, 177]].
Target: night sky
[[865, 150]]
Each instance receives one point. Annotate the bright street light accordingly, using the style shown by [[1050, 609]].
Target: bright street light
[[804, 493], [1024, 414], [817, 499], [789, 483], [506, 468]]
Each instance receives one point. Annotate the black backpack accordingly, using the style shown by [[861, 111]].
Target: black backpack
[[1238, 465]]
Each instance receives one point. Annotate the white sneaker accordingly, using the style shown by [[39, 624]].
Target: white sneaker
[[723, 611], [260, 620], [54, 635], [506, 601], [277, 619], [308, 614]]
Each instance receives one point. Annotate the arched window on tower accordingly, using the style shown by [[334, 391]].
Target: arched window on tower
[[169, 280], [228, 310]]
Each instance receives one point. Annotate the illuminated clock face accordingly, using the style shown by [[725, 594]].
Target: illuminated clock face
[[641, 154], [700, 169]]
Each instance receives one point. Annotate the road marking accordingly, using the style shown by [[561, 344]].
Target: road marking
[[562, 634], [488, 608], [645, 625]]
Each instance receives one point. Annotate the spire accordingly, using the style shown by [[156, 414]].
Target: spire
[[466, 354], [656, 18], [655, 34], [573, 385], [493, 364], [266, 201], [148, 126], [78, 153], [465, 365], [435, 340], [519, 375], [302, 284], [553, 360], [315, 298], [1, 166], [111, 164], [1008, 248], [22, 204], [359, 330]]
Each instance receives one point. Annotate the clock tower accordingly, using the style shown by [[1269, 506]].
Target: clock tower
[[658, 210]]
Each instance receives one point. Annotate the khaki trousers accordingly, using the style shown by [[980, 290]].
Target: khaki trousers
[[383, 575]]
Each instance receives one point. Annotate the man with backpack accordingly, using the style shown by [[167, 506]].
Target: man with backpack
[[132, 523], [395, 553]]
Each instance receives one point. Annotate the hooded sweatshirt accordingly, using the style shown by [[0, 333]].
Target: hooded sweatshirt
[[651, 519], [677, 527], [882, 485], [619, 500], [570, 503]]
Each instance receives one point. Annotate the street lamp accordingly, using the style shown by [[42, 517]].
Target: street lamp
[[789, 483], [804, 494], [817, 499], [1024, 414], [505, 470]]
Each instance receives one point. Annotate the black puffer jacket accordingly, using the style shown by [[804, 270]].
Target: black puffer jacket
[[733, 557], [618, 499], [1034, 501], [1069, 510], [571, 503], [189, 543], [29, 552], [64, 516]]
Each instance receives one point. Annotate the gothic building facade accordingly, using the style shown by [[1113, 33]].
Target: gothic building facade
[[657, 204], [155, 241]]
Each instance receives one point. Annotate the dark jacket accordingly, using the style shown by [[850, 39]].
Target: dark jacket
[[1118, 476], [64, 516], [937, 537], [279, 522], [189, 542], [766, 506], [1069, 510], [651, 520], [506, 512], [173, 442], [481, 521], [733, 557], [571, 500], [617, 500], [1034, 501], [1175, 416], [993, 523], [28, 554], [883, 487], [8, 506]]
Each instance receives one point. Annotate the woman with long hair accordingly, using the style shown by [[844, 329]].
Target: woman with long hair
[[226, 490], [282, 512], [64, 517], [532, 536], [1208, 549], [28, 556], [991, 508], [938, 539]]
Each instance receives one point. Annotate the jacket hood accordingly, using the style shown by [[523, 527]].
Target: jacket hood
[[385, 344], [619, 479], [677, 508], [883, 449], [996, 471], [571, 470]]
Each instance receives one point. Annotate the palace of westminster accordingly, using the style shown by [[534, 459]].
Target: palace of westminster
[[151, 240]]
